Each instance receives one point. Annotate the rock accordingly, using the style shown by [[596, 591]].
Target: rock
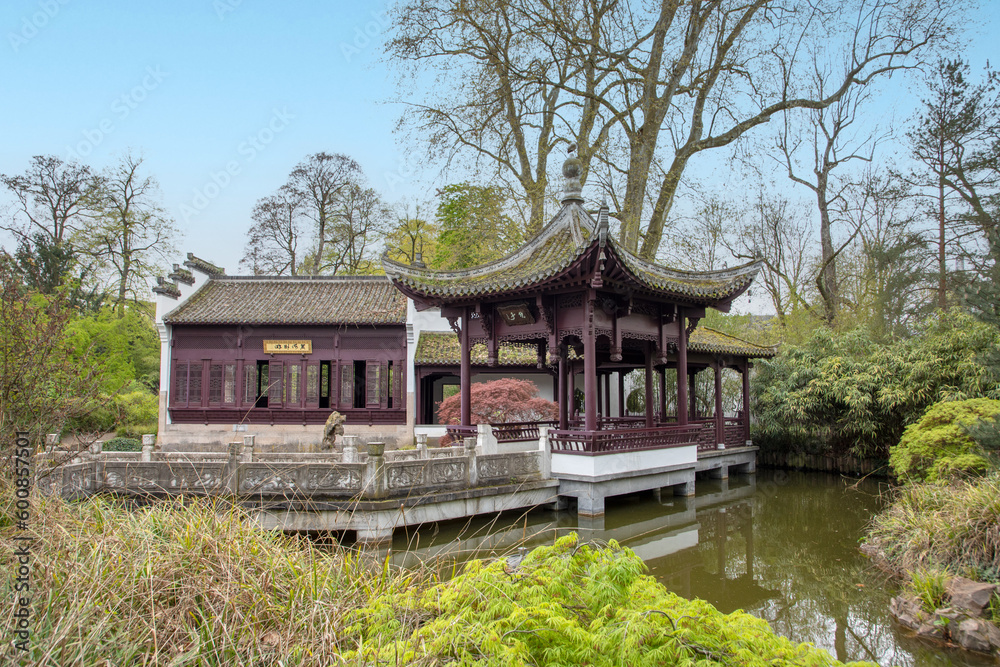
[[933, 628], [334, 427], [972, 596], [972, 635], [993, 632], [907, 612]]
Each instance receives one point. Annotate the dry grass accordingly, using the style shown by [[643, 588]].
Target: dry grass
[[953, 527], [188, 582]]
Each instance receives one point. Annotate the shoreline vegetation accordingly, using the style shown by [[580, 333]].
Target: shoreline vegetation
[[188, 583]]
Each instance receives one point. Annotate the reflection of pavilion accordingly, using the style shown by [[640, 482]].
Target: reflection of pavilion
[[672, 529], [584, 303]]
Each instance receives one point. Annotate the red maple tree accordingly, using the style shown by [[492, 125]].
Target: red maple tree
[[500, 402]]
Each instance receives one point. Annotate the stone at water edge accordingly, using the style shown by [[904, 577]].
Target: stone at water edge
[[973, 596], [993, 632], [907, 612], [972, 635]]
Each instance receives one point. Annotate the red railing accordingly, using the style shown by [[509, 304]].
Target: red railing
[[520, 431], [623, 440]]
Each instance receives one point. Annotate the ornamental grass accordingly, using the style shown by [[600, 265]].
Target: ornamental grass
[[953, 527], [195, 583]]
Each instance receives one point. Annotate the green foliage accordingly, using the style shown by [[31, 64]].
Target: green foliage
[[847, 392], [128, 344], [122, 445], [928, 586], [568, 604], [193, 583], [940, 446], [953, 527], [474, 227]]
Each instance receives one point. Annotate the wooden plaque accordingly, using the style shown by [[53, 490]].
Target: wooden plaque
[[288, 346]]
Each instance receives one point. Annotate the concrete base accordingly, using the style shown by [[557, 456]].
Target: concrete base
[[590, 492], [719, 463], [374, 521], [269, 438]]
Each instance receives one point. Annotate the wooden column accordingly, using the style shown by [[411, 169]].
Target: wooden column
[[746, 401], [720, 422], [621, 393], [589, 366], [682, 370], [465, 374], [561, 393], [649, 386]]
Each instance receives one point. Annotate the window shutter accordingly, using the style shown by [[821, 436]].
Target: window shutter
[[397, 381], [194, 384], [180, 396], [293, 384], [312, 384], [275, 393], [373, 384], [250, 383], [347, 385], [229, 385], [215, 384], [332, 380]]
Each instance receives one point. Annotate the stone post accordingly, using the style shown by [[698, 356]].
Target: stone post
[[248, 445], [96, 447], [421, 445], [51, 442], [350, 449], [374, 480], [486, 441], [545, 452], [148, 442], [470, 457], [232, 468]]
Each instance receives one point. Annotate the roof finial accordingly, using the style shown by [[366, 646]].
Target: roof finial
[[572, 168]]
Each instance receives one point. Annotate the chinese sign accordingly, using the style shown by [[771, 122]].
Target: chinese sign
[[288, 346]]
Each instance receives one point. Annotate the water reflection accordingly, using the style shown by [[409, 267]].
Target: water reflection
[[780, 546]]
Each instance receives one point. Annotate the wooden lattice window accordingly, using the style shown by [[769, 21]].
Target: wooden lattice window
[[180, 395], [293, 384], [215, 384], [194, 383], [374, 384], [312, 385], [229, 384], [250, 386], [347, 385], [276, 393]]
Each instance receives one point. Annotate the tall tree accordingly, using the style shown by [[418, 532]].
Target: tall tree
[[957, 140], [475, 227], [132, 235], [325, 206], [273, 240], [830, 143], [411, 236], [658, 82], [54, 198]]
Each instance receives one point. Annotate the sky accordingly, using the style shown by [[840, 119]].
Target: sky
[[223, 98]]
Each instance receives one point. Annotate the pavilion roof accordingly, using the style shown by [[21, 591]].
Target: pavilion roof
[[292, 300], [571, 240], [443, 349]]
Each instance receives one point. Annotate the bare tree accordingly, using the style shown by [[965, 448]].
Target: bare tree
[[832, 140], [273, 241], [132, 234], [54, 198], [659, 82], [362, 220]]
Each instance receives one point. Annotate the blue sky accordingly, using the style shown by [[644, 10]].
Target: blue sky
[[222, 97]]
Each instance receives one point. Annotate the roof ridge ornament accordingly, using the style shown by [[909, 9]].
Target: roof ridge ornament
[[602, 223], [572, 168]]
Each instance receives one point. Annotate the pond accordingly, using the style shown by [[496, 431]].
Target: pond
[[780, 545]]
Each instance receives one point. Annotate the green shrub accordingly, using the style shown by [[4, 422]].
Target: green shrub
[[123, 445], [940, 446], [928, 586]]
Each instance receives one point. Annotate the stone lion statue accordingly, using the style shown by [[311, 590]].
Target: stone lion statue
[[334, 427]]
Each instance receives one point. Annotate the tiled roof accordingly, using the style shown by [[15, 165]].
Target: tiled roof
[[179, 275], [566, 239], [443, 349], [167, 288], [204, 266], [711, 341], [292, 300]]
